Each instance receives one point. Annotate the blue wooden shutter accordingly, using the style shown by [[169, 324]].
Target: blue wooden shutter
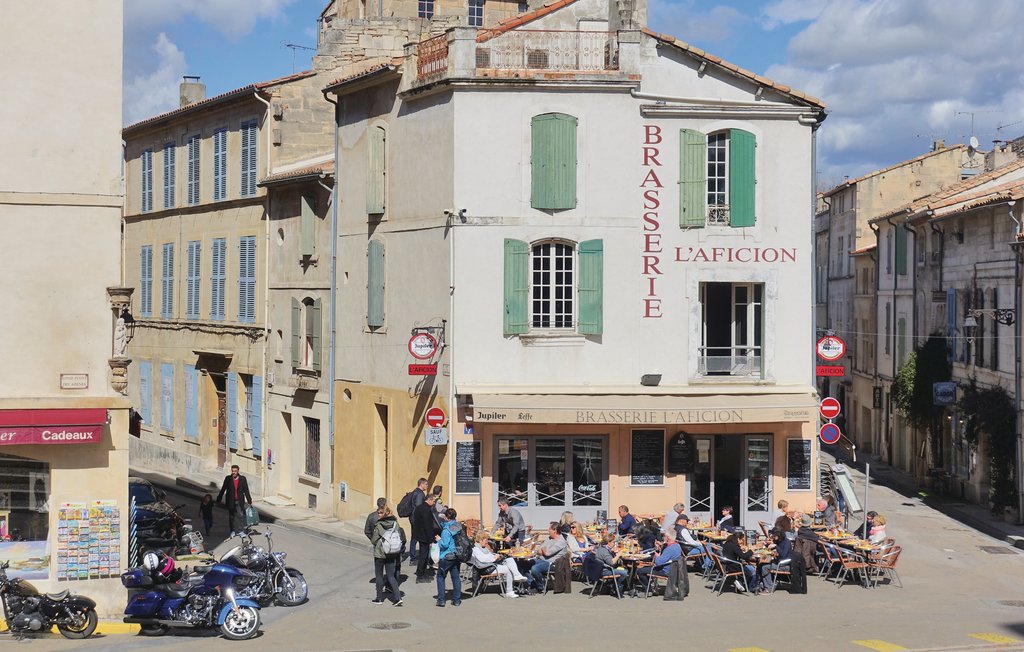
[[192, 281], [375, 284], [517, 288], [591, 287], [145, 392], [220, 164], [191, 401], [218, 278], [232, 387], [193, 170], [146, 281], [951, 321], [693, 178], [317, 334], [147, 180], [375, 174], [742, 145], [256, 417], [167, 282], [169, 172], [553, 161], [247, 279], [167, 397], [249, 152], [297, 332], [307, 225]]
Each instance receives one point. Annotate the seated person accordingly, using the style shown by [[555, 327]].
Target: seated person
[[781, 511], [726, 523], [831, 516], [611, 559], [626, 521], [869, 521], [735, 548], [784, 548], [485, 561], [805, 531], [670, 551], [691, 547], [877, 532], [549, 552], [565, 522], [648, 537], [577, 540]]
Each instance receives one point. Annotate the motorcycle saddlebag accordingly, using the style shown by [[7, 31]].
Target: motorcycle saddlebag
[[136, 578]]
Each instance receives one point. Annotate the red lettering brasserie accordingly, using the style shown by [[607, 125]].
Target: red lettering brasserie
[[651, 191]]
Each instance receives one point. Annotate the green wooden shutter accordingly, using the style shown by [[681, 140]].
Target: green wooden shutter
[[591, 287], [296, 333], [375, 173], [553, 161], [741, 177], [693, 178], [901, 336], [901, 249], [517, 276], [317, 334], [307, 226], [375, 284]]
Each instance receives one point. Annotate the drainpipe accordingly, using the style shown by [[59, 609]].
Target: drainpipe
[[892, 332], [1015, 246], [878, 274], [264, 411], [913, 297], [334, 285], [813, 259]]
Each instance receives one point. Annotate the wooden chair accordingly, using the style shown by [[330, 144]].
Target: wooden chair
[[884, 565], [727, 569], [851, 564]]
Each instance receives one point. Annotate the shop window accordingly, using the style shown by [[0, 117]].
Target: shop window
[[24, 516], [732, 324]]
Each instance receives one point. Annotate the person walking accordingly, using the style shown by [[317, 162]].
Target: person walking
[[206, 511], [425, 531], [388, 539], [235, 493], [448, 563]]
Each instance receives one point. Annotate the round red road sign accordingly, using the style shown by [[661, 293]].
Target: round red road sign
[[829, 433], [831, 348], [829, 408], [435, 417]]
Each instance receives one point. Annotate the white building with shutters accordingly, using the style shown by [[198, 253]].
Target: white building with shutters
[[609, 233]]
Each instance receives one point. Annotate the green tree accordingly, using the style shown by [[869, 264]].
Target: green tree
[[912, 393], [988, 412]]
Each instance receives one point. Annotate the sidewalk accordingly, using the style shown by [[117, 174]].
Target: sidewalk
[[975, 516], [345, 533]]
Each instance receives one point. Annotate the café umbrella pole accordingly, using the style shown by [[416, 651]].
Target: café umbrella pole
[[867, 481], [480, 492]]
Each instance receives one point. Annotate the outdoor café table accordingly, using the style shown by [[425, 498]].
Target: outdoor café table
[[712, 534], [632, 562]]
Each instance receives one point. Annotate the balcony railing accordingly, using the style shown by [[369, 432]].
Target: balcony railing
[[723, 361], [718, 215], [549, 50], [432, 59]]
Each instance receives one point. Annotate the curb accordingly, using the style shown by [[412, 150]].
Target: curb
[[104, 628]]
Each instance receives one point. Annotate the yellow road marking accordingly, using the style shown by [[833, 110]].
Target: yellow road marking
[[105, 627], [880, 646], [995, 638], [747, 649]]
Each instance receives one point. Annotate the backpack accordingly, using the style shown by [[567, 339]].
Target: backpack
[[463, 546], [391, 540], [405, 506]]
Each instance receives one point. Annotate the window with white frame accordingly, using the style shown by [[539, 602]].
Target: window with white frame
[[552, 285], [476, 13], [718, 170], [732, 329], [426, 9]]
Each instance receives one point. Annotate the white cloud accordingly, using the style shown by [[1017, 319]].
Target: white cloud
[[155, 91], [785, 12], [898, 74], [232, 18], [686, 20]]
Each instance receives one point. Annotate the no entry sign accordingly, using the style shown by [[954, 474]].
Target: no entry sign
[[830, 433], [829, 408], [435, 417]]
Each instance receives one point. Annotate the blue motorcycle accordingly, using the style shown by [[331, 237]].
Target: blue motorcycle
[[200, 600]]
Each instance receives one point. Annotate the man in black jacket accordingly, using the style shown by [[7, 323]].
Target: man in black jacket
[[235, 492], [424, 531], [418, 495]]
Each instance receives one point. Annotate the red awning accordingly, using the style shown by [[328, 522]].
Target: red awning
[[84, 426]]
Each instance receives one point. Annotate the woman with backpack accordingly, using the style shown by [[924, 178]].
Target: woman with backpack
[[388, 541], [452, 544]]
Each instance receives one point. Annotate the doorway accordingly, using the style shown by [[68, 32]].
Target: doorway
[[220, 386], [733, 470], [381, 472]]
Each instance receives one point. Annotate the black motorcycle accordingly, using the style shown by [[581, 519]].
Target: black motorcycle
[[28, 610], [274, 580]]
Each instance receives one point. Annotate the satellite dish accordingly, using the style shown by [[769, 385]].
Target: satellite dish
[[973, 146], [974, 142]]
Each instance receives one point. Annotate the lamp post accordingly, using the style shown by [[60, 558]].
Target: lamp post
[[1005, 316]]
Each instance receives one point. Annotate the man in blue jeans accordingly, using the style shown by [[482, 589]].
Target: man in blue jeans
[[551, 551]]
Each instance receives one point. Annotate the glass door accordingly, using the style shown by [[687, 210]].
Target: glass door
[[756, 489], [700, 490]]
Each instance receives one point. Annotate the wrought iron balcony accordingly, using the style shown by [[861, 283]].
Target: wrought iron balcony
[[718, 215], [718, 361]]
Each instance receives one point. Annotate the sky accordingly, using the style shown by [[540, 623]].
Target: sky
[[895, 74]]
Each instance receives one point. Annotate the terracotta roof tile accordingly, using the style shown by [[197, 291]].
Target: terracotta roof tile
[[954, 189], [754, 77], [324, 169], [521, 19], [216, 99], [366, 68], [864, 250]]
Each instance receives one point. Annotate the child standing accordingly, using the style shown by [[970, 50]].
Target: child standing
[[206, 511]]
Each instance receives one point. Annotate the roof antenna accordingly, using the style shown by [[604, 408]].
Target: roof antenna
[[293, 47]]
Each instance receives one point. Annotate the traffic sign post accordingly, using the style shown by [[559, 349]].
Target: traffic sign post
[[830, 433], [437, 436], [435, 417], [829, 408]]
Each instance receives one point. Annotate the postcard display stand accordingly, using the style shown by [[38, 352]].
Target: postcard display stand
[[88, 540]]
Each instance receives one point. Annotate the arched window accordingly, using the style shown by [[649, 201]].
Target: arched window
[[552, 285]]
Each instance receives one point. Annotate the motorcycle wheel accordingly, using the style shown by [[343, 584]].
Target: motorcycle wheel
[[153, 630], [241, 623], [81, 630], [290, 596]]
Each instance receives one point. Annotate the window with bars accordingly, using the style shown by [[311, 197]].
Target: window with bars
[[146, 281], [476, 13], [249, 154], [147, 180], [193, 170], [247, 279], [192, 281], [426, 9], [312, 447], [167, 282], [218, 277], [169, 172], [552, 286], [220, 164]]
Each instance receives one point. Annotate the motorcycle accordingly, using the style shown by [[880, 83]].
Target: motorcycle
[[28, 610], [203, 600], [274, 580], [171, 534]]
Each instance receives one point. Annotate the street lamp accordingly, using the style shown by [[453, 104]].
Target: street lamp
[[1005, 316]]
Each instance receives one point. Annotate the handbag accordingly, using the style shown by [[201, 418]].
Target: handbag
[[252, 517]]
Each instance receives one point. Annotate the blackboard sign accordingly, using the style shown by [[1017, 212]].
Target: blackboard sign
[[647, 458], [682, 450], [798, 464], [467, 467]]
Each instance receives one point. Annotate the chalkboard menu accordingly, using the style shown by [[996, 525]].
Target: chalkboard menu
[[682, 451], [467, 467], [647, 457], [798, 466]]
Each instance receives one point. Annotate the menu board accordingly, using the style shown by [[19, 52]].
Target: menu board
[[467, 467], [88, 540], [798, 464], [647, 458], [682, 451]]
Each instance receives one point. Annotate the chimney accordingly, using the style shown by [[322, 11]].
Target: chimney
[[937, 145], [191, 90]]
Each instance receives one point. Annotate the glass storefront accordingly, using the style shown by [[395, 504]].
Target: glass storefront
[[25, 516]]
